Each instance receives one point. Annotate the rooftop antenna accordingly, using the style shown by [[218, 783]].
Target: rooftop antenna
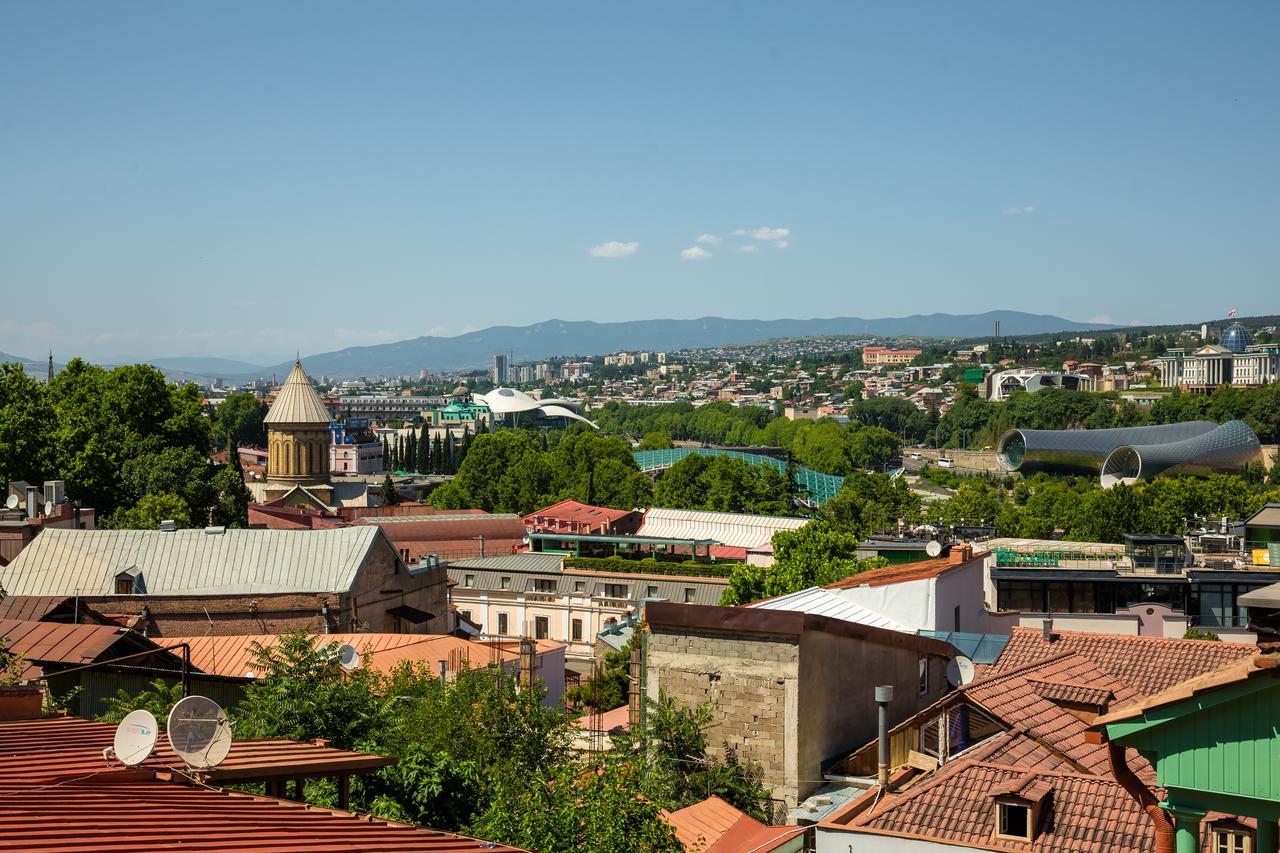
[[199, 732], [135, 738]]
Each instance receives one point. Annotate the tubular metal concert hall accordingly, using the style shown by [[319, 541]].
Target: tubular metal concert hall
[[1129, 454]]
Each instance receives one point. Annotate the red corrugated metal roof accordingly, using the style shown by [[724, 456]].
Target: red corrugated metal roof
[[57, 794], [431, 528], [60, 748], [58, 642], [29, 607]]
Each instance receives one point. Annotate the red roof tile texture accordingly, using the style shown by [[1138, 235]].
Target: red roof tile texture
[[715, 826], [1146, 664], [1089, 814]]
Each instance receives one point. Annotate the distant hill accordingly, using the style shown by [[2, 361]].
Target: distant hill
[[558, 337], [206, 365], [7, 357]]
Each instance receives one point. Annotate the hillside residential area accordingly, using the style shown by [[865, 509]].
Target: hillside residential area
[[845, 427]]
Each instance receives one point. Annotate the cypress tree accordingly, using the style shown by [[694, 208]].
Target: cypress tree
[[438, 463]]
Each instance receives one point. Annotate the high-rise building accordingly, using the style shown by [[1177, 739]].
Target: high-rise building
[[498, 373]]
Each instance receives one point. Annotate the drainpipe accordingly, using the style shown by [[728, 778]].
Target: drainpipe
[[884, 695], [1160, 820]]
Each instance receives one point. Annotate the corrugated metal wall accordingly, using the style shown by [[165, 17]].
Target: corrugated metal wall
[[99, 686]]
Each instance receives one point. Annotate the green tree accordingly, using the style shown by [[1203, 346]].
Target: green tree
[[238, 421], [26, 425], [152, 509], [656, 439], [873, 447], [390, 497], [231, 498], [816, 554]]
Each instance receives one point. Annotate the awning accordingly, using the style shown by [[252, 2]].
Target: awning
[[409, 614]]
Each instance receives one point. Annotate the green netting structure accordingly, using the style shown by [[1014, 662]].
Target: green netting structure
[[815, 487]]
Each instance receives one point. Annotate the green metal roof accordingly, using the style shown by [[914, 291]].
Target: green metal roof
[[817, 487]]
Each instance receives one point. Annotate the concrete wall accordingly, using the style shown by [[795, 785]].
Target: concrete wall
[[789, 703], [752, 680], [831, 840], [837, 706], [972, 460]]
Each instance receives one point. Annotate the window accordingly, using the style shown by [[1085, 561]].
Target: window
[[1230, 841], [465, 614], [651, 592], [124, 585], [544, 585], [506, 583], [502, 624], [1013, 821], [541, 627], [689, 593], [577, 630], [924, 676], [615, 590], [579, 586], [469, 580]]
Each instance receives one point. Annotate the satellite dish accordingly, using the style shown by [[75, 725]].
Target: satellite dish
[[199, 732], [12, 502], [348, 656], [135, 738], [48, 507], [960, 671], [934, 548]]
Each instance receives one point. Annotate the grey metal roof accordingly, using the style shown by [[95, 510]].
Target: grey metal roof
[[190, 562], [298, 402], [523, 562]]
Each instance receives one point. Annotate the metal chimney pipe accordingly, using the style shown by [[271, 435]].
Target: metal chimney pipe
[[884, 695], [444, 671], [1046, 629], [32, 501]]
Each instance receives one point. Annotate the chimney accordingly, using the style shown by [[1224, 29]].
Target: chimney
[[1046, 629], [444, 671], [33, 501], [528, 659], [635, 701], [884, 695], [168, 525]]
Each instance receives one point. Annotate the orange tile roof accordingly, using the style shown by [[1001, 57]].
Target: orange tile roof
[[233, 655], [1148, 665], [1087, 814], [618, 718], [714, 826], [1236, 671], [905, 572]]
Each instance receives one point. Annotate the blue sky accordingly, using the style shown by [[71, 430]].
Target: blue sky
[[244, 179]]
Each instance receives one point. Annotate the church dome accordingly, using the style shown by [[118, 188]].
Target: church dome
[[1236, 338], [461, 391], [298, 402]]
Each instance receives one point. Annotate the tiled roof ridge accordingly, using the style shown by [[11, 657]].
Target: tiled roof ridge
[[1023, 730], [1024, 776], [1135, 638], [1021, 669]]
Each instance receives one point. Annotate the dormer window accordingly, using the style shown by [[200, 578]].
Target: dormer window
[[124, 585], [1013, 820], [129, 582]]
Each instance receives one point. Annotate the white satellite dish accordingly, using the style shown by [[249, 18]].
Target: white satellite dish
[[12, 502], [48, 508], [960, 671], [348, 656], [135, 738], [934, 548], [199, 732]]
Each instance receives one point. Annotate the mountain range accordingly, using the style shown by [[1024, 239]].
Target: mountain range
[[564, 338]]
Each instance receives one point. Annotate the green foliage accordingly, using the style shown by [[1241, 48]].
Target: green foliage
[[648, 565], [723, 484], [606, 689], [238, 421], [814, 555], [152, 509], [26, 418], [1197, 634], [656, 440], [390, 497], [158, 698], [867, 503], [511, 471]]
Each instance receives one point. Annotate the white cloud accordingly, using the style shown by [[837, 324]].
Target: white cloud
[[779, 237], [750, 247], [694, 253], [614, 249], [1019, 211], [708, 239]]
